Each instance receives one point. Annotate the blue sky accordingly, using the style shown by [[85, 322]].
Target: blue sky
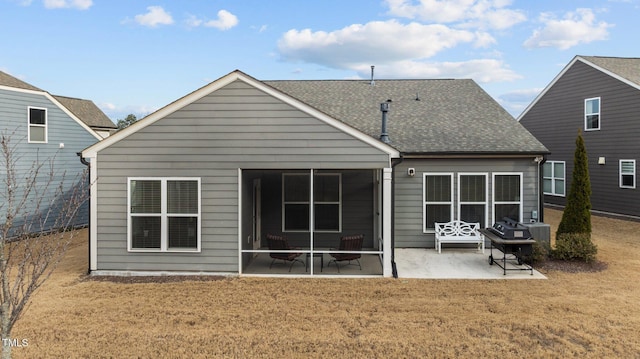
[[137, 56]]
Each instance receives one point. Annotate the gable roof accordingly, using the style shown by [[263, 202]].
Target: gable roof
[[425, 116], [625, 69], [439, 117], [87, 111], [84, 112], [10, 81]]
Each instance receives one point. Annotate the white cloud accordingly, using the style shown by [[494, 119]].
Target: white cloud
[[374, 42], [225, 21], [156, 16], [575, 28], [61, 4], [492, 14], [516, 101]]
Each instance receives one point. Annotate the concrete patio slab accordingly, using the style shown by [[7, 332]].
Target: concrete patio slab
[[455, 263]]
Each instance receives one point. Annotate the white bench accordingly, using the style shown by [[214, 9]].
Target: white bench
[[458, 232]]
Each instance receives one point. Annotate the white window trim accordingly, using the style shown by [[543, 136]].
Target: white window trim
[[45, 126], [553, 179], [493, 196], [424, 199], [486, 195], [633, 174], [599, 114], [308, 202], [164, 240]]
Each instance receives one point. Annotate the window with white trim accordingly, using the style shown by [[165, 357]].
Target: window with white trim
[[437, 198], [327, 202], [507, 196], [592, 114], [553, 178], [37, 125], [473, 198], [164, 214], [627, 173]]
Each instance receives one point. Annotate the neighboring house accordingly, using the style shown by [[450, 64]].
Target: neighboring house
[[197, 185], [599, 96], [49, 130]]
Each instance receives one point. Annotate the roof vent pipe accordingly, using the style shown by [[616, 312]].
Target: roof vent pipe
[[372, 81], [384, 107]]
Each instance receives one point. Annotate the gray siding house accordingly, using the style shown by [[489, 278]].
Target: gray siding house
[[198, 185], [599, 96], [42, 128]]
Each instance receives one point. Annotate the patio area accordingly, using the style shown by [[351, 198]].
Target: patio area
[[456, 263]]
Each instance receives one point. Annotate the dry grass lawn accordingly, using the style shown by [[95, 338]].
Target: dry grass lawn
[[594, 315]]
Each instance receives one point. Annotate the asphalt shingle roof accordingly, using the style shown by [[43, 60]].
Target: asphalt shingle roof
[[626, 67], [425, 116], [87, 111], [10, 81]]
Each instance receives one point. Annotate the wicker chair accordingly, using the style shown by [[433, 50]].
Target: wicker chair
[[348, 243], [281, 243]]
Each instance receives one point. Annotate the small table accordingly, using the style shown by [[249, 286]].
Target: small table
[[315, 255]]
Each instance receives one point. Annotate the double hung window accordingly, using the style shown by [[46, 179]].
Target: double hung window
[[437, 199], [164, 214], [37, 125], [507, 196], [472, 198], [554, 178], [592, 114]]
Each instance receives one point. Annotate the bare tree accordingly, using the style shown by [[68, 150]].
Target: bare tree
[[38, 207]]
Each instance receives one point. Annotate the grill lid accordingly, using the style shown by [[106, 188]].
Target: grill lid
[[508, 228]]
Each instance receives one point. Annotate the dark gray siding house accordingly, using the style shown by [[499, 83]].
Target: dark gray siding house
[[599, 96], [198, 185], [41, 130]]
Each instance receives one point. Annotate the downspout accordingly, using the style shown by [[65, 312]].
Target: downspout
[[88, 164], [398, 161], [541, 189]]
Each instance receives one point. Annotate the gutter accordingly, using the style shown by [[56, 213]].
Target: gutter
[[394, 269], [88, 164]]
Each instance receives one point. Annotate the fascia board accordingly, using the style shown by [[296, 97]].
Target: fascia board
[[224, 81]]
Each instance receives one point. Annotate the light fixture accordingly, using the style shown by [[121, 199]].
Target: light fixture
[[601, 160]]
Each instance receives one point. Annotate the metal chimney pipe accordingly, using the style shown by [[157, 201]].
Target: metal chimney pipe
[[372, 81], [384, 107]]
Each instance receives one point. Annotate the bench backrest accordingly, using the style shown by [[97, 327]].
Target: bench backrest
[[457, 228]]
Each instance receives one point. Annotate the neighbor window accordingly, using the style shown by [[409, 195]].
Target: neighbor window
[[592, 114], [164, 214], [628, 173], [554, 178], [327, 202], [472, 198], [437, 199], [37, 125], [507, 196]]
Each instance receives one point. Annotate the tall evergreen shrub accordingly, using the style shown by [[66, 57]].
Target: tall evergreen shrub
[[573, 237]]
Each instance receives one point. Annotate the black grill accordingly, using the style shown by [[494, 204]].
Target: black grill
[[510, 229]]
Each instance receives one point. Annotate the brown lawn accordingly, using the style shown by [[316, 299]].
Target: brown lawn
[[594, 314]]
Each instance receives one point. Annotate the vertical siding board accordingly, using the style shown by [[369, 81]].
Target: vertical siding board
[[234, 127], [556, 118]]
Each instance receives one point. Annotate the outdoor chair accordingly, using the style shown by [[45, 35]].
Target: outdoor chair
[[281, 243], [348, 243]]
